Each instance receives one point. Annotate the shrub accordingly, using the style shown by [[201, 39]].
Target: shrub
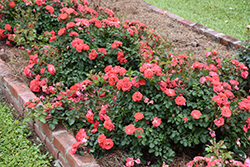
[[16, 149], [87, 41], [29, 19], [151, 109], [75, 39], [243, 55]]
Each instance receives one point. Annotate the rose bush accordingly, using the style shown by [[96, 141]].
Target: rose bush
[[89, 41], [155, 107], [27, 20], [243, 53]]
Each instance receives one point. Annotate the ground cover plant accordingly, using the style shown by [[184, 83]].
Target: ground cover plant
[[229, 17], [15, 148], [112, 82]]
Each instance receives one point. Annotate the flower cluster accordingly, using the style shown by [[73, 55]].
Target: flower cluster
[[150, 70], [81, 138], [199, 161], [131, 162], [105, 143]]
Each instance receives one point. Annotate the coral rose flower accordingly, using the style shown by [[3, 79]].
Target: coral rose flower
[[109, 125], [170, 92], [148, 73], [81, 134], [130, 162], [196, 114], [93, 54], [108, 144], [137, 96], [7, 27], [35, 85], [113, 79], [138, 116], [185, 119], [90, 116], [179, 100], [101, 138], [129, 129], [219, 122], [156, 122], [226, 112], [12, 4], [51, 69]]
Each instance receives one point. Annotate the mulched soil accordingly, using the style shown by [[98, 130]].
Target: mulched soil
[[183, 38]]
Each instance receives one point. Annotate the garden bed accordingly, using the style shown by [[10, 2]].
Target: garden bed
[[183, 38]]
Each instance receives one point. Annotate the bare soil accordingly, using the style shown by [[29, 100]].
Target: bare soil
[[183, 38]]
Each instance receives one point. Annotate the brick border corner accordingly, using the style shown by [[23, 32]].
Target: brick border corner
[[59, 140], [226, 40]]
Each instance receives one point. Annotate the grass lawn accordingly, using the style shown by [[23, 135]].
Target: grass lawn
[[227, 16], [15, 148]]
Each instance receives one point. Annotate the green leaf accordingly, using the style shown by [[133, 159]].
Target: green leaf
[[196, 141], [55, 121], [151, 145], [52, 126], [42, 120], [71, 120], [151, 150], [203, 138], [164, 78]]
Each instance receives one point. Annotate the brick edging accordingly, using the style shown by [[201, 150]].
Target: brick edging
[[59, 140], [227, 40]]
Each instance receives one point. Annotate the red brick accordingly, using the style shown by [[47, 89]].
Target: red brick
[[48, 132], [12, 100], [187, 23], [17, 88], [168, 13], [80, 161], [8, 95], [63, 160], [8, 79], [18, 107], [25, 97], [163, 12], [37, 123], [238, 45], [63, 141], [4, 69], [228, 40], [1, 87], [39, 133], [212, 34], [154, 8], [31, 122], [51, 148], [199, 28], [175, 17], [95, 165]]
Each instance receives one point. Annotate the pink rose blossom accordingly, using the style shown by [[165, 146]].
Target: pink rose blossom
[[138, 161], [238, 142]]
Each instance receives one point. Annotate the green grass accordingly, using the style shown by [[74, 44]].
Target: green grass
[[227, 16], [15, 148]]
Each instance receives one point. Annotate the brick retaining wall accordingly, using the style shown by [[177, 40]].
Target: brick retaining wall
[[58, 141]]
